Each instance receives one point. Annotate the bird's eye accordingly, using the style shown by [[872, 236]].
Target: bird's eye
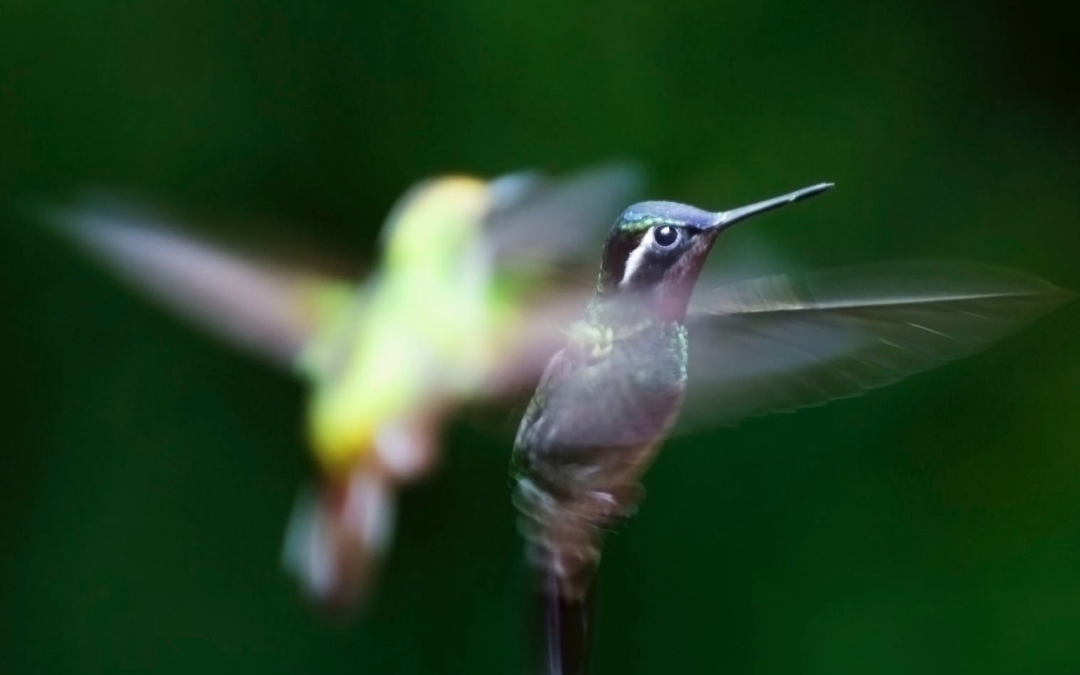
[[666, 236]]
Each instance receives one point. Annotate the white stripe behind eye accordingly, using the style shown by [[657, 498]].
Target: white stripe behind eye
[[637, 257]]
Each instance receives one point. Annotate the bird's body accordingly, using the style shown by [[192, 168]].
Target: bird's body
[[428, 330], [602, 407], [592, 428]]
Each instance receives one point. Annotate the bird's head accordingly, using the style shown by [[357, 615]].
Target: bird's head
[[436, 227], [656, 250]]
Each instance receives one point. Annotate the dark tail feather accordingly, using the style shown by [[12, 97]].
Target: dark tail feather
[[563, 628]]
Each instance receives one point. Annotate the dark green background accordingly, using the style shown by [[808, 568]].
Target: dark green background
[[146, 472]]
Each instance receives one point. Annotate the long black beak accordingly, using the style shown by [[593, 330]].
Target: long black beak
[[725, 219]]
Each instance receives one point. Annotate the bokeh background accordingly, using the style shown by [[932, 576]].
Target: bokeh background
[[146, 471]]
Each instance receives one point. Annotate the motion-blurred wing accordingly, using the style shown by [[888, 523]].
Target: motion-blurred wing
[[267, 309], [547, 221], [542, 333], [780, 343], [545, 234]]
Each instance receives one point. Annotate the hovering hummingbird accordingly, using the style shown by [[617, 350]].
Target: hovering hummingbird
[[466, 305], [609, 398]]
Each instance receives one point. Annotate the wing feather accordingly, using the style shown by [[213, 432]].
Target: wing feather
[[269, 309], [555, 221], [780, 343]]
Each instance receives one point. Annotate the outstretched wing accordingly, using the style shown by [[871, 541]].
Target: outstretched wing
[[271, 310], [780, 343], [546, 234], [547, 221]]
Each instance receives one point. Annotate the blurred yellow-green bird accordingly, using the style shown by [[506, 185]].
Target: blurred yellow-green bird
[[464, 305]]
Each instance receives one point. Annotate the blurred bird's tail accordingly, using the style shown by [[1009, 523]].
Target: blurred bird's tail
[[563, 541], [563, 616], [338, 535], [563, 630]]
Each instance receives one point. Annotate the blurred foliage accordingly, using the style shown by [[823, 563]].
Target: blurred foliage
[[146, 471]]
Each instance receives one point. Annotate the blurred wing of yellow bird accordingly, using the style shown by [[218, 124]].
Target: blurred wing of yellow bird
[[271, 310]]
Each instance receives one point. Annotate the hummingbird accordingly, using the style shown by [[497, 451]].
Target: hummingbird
[[610, 397], [464, 306]]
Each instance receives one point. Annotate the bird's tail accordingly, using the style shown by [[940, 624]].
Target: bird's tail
[[564, 537], [563, 628], [337, 537], [562, 611]]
